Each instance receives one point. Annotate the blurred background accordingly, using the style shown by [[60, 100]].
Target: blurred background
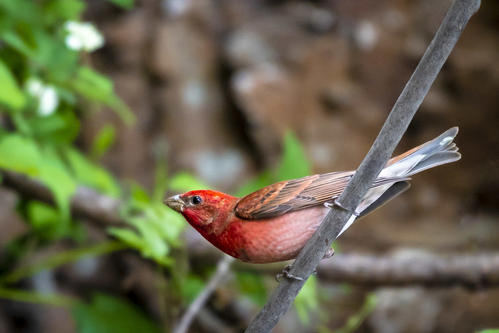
[[119, 102]]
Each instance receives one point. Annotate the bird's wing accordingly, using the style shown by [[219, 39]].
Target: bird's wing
[[296, 194]]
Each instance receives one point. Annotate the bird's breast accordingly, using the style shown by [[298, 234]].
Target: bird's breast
[[270, 240]]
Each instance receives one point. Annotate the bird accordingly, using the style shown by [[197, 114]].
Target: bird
[[274, 223]]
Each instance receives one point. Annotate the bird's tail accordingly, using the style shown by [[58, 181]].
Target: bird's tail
[[441, 150]]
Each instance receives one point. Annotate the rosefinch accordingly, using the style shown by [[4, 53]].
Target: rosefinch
[[274, 223]]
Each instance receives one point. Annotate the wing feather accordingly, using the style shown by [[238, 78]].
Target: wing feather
[[296, 194]]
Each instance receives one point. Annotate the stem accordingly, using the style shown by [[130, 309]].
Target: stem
[[217, 278], [60, 259], [37, 298]]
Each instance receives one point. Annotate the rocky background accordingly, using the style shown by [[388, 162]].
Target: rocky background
[[215, 85]]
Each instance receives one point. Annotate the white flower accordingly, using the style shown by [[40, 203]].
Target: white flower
[[46, 95], [34, 87], [83, 36], [49, 100]]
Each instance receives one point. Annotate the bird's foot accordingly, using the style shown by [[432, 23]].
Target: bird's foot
[[285, 273], [329, 253], [336, 203]]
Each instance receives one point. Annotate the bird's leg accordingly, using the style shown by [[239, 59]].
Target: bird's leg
[[336, 203], [285, 273]]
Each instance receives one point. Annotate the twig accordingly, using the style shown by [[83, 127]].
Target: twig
[[217, 278], [59, 259], [85, 202], [396, 124], [414, 267]]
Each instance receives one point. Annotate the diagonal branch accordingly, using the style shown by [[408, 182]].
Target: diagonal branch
[[392, 131]]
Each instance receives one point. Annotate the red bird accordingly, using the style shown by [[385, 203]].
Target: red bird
[[274, 223]]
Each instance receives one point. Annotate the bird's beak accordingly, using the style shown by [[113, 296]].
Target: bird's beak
[[175, 203]]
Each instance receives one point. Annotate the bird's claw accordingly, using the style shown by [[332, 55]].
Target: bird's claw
[[329, 253], [336, 203], [285, 273]]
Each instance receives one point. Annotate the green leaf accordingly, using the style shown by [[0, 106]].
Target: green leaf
[[126, 4], [63, 10], [22, 10], [96, 87], [489, 330], [23, 155], [139, 195], [52, 55], [19, 154], [90, 174], [252, 286], [106, 314], [17, 43], [55, 175], [42, 216], [59, 128], [127, 236], [307, 301], [103, 141], [294, 163], [10, 93], [183, 182]]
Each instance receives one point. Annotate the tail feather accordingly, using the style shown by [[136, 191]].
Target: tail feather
[[441, 150]]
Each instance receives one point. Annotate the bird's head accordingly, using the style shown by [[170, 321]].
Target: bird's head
[[202, 208]]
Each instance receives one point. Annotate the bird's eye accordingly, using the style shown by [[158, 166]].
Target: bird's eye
[[196, 200]]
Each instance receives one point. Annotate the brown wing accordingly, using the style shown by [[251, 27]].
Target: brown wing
[[291, 195], [296, 194]]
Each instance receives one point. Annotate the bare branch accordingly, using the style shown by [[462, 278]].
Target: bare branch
[[392, 131], [415, 267], [85, 202], [218, 277]]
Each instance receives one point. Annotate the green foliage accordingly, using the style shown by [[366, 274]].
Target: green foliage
[[45, 220], [98, 88], [106, 314], [10, 94], [353, 323], [90, 174], [41, 77], [293, 164], [184, 181], [126, 4], [190, 286], [252, 286], [23, 155], [489, 330], [103, 141], [156, 227]]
